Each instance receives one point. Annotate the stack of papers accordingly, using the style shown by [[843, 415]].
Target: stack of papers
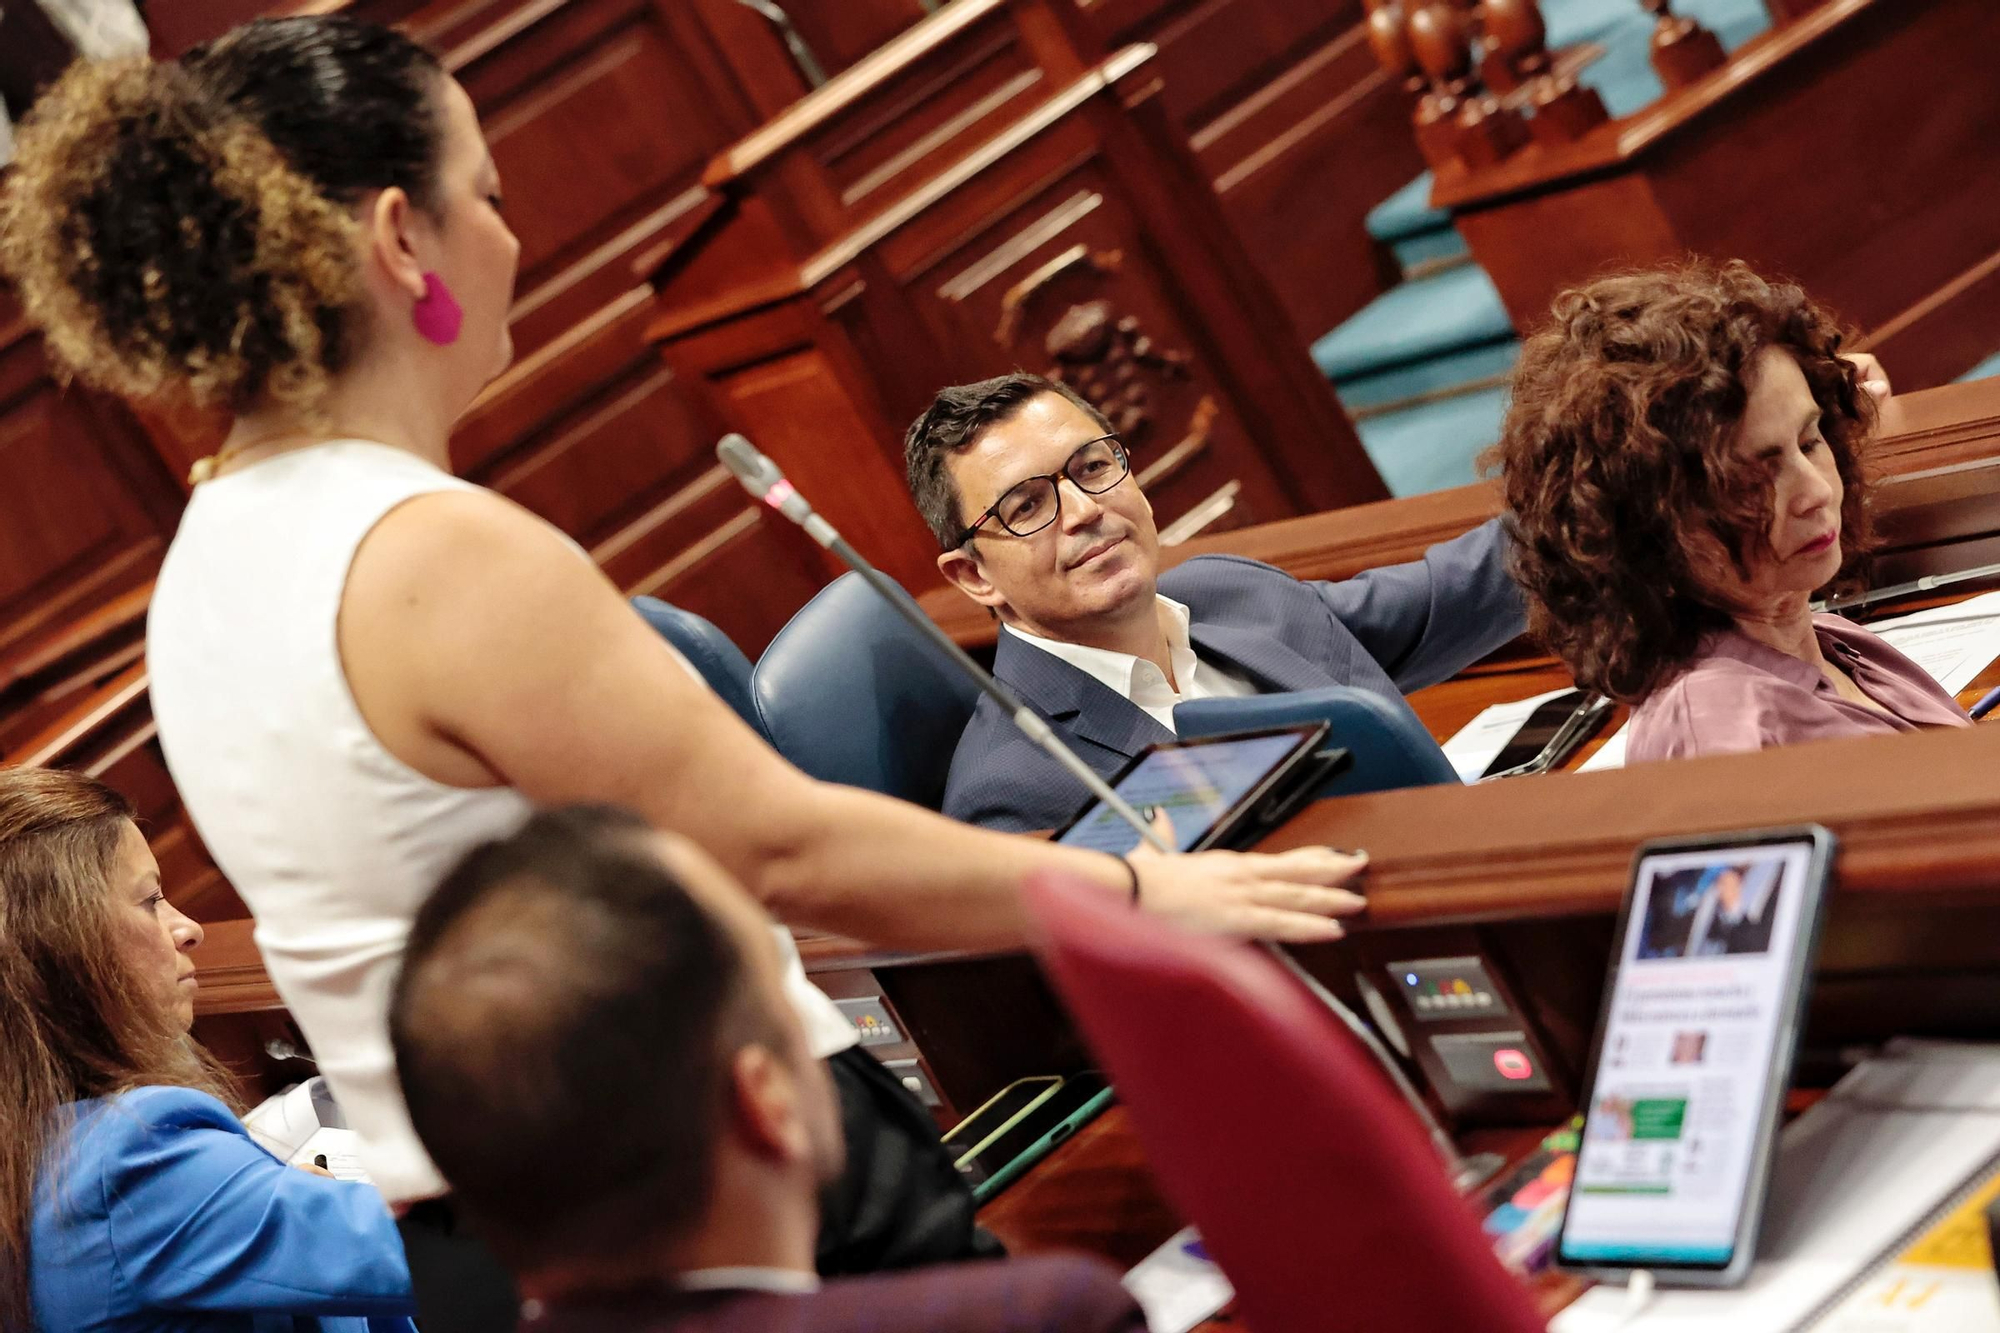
[[1942, 1282], [1954, 643], [1858, 1177], [1178, 1285]]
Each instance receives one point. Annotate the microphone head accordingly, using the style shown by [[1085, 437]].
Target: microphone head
[[748, 465]]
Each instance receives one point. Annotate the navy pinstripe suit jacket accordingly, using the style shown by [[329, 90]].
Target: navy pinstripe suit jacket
[[1387, 630]]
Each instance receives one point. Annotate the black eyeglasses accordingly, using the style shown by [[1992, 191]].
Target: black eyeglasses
[[1031, 505]]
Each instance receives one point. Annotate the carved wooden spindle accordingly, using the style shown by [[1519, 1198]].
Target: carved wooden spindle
[[1518, 40], [1389, 39], [1517, 43], [1683, 50], [1441, 44], [1486, 133]]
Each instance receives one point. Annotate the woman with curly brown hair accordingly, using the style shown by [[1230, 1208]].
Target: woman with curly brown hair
[[1682, 466], [131, 1197]]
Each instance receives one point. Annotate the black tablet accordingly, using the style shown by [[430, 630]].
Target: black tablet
[[1218, 789], [1693, 1054]]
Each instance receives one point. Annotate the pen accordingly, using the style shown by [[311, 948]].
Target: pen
[[1987, 703]]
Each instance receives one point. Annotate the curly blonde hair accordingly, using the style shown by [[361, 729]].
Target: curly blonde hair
[[183, 233]]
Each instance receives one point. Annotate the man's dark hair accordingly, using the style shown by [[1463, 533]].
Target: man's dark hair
[[563, 1027], [954, 422]]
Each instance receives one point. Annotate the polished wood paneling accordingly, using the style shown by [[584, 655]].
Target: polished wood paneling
[[88, 502], [1080, 237], [1071, 256], [600, 114], [841, 32], [32, 53], [1947, 333], [1095, 1197], [797, 400], [1298, 129], [888, 140], [1879, 221]]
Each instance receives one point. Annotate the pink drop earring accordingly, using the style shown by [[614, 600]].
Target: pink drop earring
[[437, 316]]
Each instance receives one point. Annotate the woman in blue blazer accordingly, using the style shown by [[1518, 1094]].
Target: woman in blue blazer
[[131, 1197]]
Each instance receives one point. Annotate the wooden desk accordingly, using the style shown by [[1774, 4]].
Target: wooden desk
[[1097, 1195]]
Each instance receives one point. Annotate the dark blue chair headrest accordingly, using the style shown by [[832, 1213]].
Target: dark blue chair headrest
[[712, 653], [850, 693], [1390, 747]]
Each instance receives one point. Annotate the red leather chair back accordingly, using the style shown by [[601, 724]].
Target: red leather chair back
[[1270, 1128]]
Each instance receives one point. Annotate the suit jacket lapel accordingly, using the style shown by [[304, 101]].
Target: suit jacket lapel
[[1270, 664], [1074, 700]]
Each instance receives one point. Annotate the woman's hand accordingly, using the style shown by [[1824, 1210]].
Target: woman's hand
[[1286, 896], [1874, 379]]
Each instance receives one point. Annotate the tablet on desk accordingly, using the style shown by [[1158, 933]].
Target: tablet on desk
[[1218, 789], [1693, 1054]]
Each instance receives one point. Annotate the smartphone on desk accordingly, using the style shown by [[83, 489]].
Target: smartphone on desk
[[1552, 733], [1693, 1053], [998, 1114], [1035, 1134]]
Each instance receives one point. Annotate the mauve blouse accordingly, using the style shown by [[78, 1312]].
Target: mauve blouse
[[1739, 694]]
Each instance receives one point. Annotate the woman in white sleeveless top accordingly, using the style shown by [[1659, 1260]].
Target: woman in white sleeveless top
[[362, 666]]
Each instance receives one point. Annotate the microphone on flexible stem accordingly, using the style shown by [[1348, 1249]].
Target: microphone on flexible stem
[[761, 477], [765, 482]]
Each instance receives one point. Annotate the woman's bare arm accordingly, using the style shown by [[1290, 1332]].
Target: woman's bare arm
[[481, 648]]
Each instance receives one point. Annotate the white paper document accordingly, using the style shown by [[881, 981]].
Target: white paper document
[[1481, 740], [302, 1125], [1954, 643], [1611, 754], [1178, 1285], [1855, 1174]]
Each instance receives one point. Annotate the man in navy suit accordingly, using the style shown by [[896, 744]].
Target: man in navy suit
[[1030, 495], [595, 1046]]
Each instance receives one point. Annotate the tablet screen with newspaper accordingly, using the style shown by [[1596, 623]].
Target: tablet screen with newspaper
[[1693, 1055]]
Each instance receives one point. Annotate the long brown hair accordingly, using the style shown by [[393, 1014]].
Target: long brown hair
[[79, 1024]]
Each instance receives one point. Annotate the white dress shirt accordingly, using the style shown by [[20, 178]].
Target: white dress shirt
[[1139, 680]]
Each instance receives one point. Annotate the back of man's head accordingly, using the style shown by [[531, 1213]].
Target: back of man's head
[[564, 1027], [952, 424]]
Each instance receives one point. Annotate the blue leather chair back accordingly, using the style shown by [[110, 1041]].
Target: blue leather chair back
[[1390, 747], [718, 659], [852, 694]]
